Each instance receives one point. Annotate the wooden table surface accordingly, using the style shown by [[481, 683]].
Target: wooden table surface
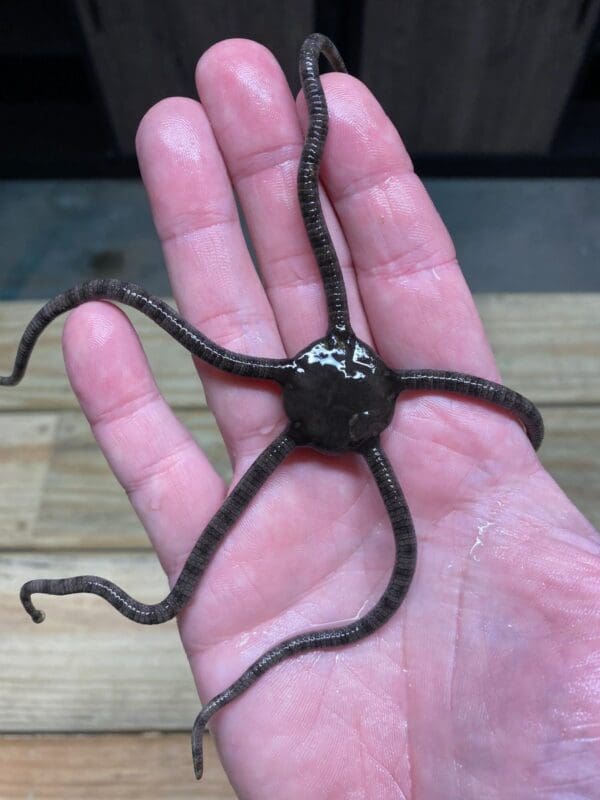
[[86, 729]]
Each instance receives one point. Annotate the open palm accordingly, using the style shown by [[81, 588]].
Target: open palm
[[486, 683]]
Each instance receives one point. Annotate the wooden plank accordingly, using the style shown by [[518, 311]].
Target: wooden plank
[[473, 77], [144, 50], [547, 346], [571, 454], [90, 658], [59, 493], [150, 766]]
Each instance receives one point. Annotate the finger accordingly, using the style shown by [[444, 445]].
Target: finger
[[171, 484], [254, 117], [419, 307], [213, 278]]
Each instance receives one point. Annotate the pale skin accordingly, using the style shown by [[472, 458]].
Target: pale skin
[[486, 682]]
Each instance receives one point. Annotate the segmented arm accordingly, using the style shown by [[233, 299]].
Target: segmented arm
[[471, 386], [199, 558], [403, 570], [166, 317], [308, 176]]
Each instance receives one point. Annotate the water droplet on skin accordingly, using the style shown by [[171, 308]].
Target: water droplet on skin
[[479, 541]]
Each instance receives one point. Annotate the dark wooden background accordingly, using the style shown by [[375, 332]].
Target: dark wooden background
[[460, 78]]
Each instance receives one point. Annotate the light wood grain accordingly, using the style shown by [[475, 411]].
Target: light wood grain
[[572, 456], [150, 766], [57, 491], [80, 670], [547, 346]]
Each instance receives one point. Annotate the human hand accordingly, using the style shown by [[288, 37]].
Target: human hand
[[486, 683]]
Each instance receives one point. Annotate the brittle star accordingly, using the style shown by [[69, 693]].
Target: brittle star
[[339, 397]]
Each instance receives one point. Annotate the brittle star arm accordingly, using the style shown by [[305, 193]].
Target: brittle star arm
[[472, 386], [199, 558], [159, 312], [325, 638], [308, 177]]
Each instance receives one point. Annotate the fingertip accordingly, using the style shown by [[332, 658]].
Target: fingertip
[[241, 83], [170, 132], [87, 331], [104, 358], [361, 135], [229, 54]]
